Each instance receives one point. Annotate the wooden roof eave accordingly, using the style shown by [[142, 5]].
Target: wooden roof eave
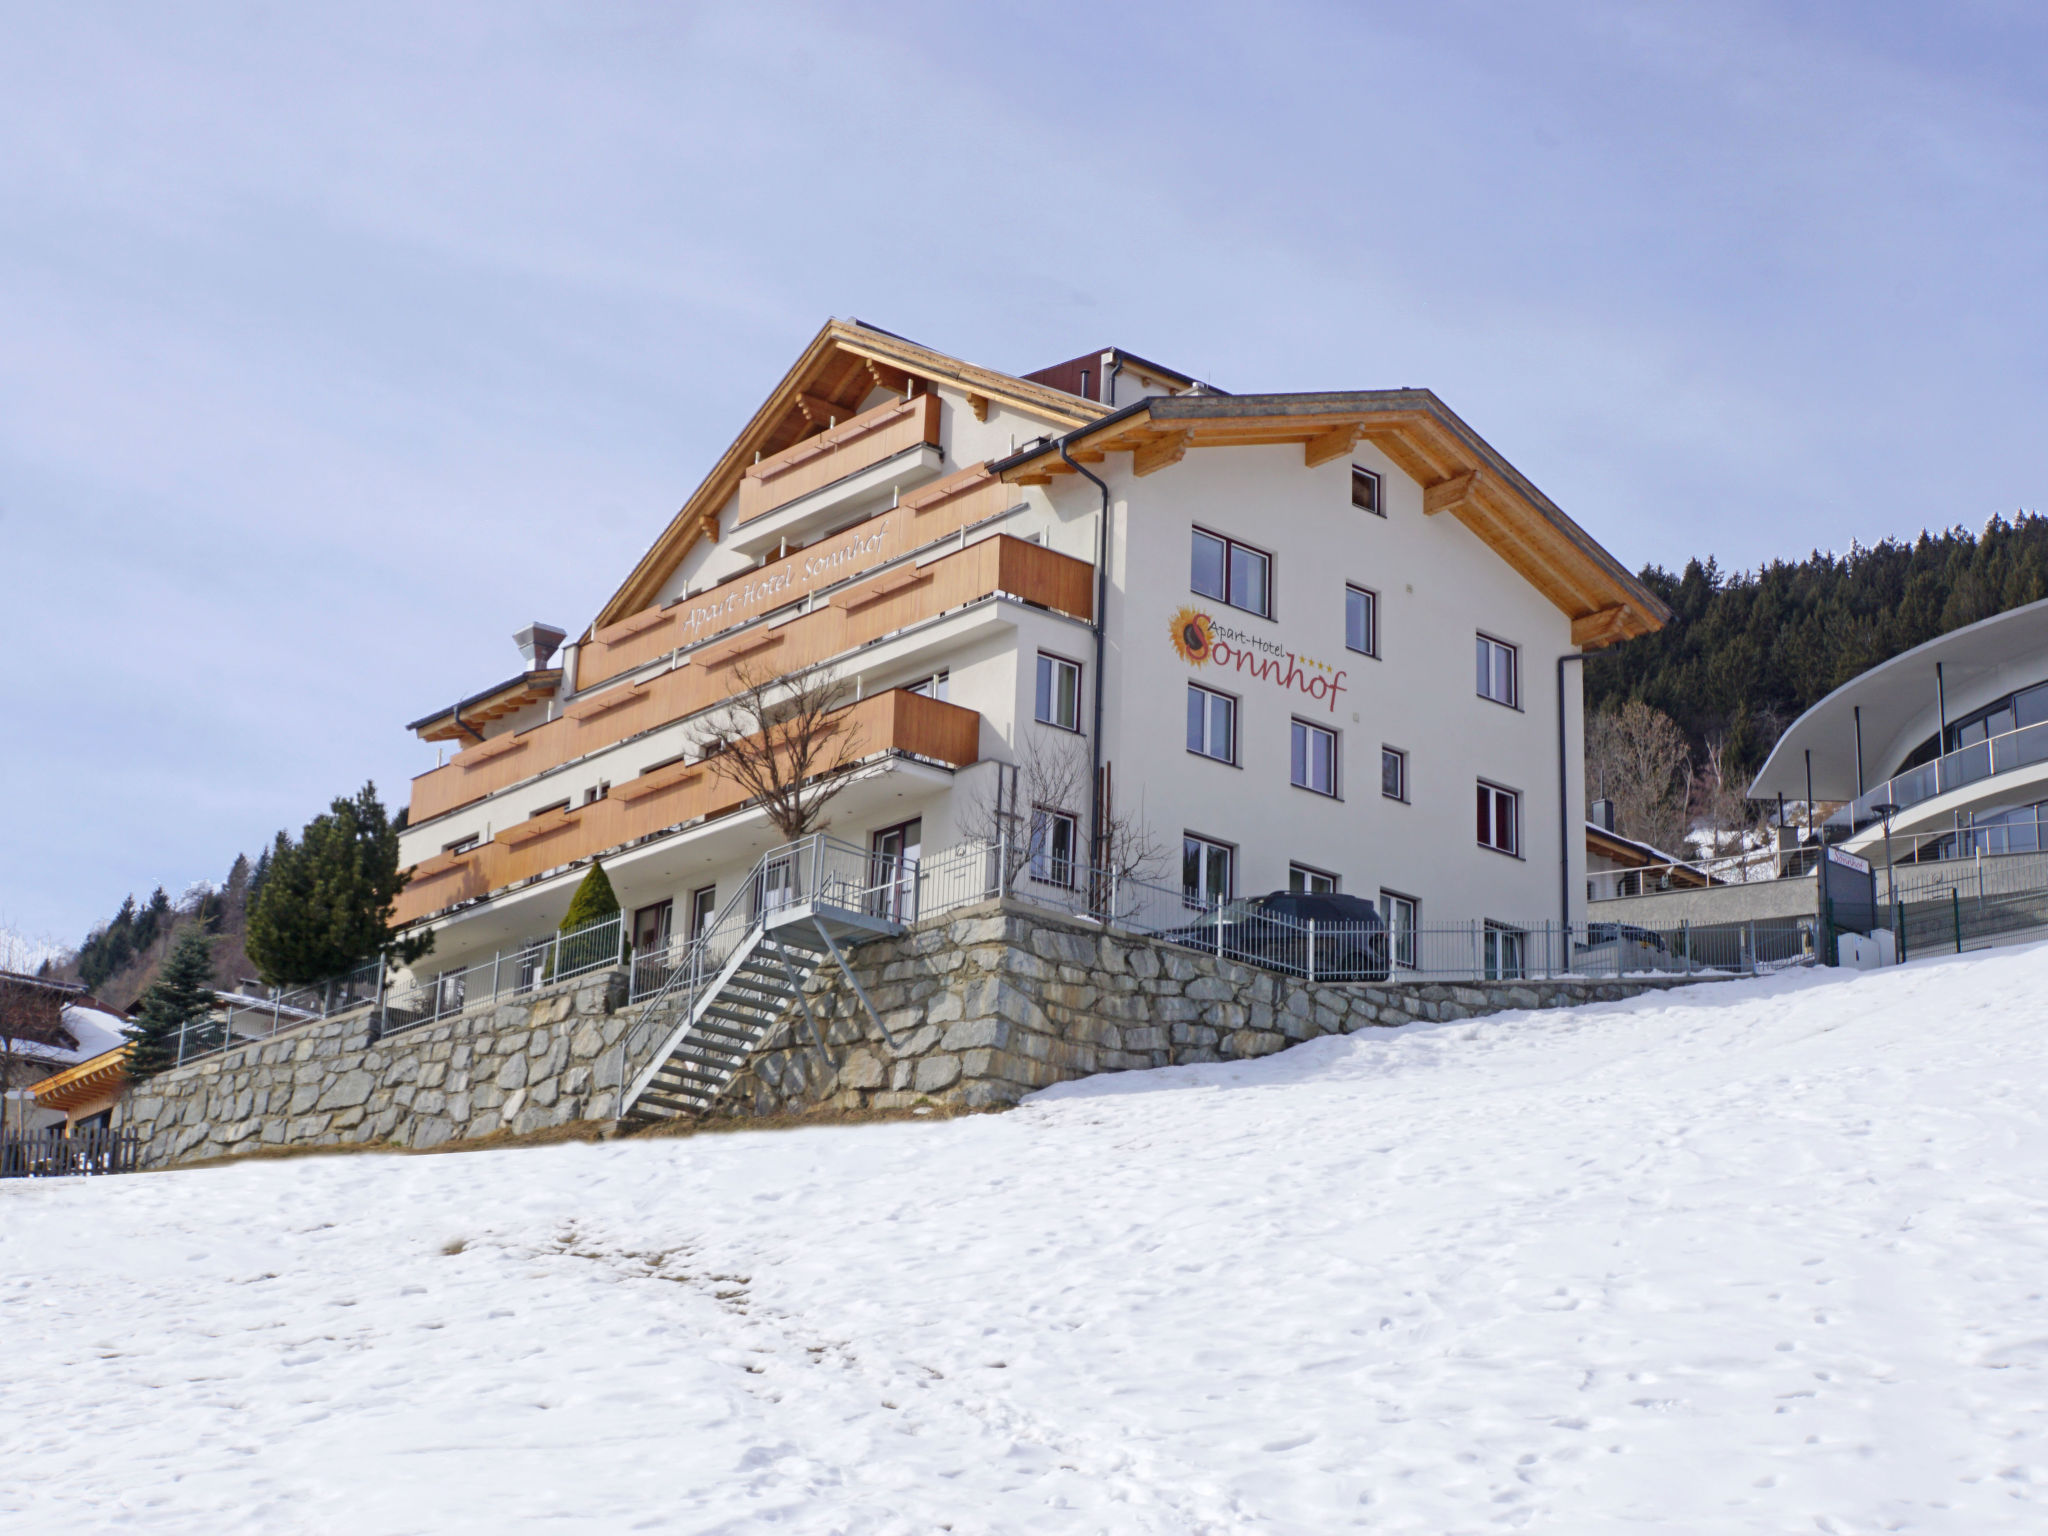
[[797, 400], [86, 1081], [1427, 442]]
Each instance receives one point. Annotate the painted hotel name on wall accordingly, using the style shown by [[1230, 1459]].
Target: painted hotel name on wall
[[1203, 642], [790, 580]]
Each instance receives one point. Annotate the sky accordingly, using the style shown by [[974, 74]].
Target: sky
[[336, 344]]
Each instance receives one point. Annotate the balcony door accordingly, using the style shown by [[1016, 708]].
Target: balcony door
[[893, 878]]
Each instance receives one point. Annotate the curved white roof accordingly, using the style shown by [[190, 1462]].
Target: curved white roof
[[1979, 662]]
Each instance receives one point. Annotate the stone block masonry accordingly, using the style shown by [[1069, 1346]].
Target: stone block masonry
[[982, 1007], [977, 1009], [555, 1055]]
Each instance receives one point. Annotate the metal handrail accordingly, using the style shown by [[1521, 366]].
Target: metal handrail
[[2021, 747]]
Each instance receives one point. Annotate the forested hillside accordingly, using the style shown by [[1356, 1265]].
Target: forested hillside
[[1745, 654]]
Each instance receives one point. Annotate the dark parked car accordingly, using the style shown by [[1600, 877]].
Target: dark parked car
[[1273, 931]]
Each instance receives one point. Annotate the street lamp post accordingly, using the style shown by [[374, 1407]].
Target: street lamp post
[[1888, 811]]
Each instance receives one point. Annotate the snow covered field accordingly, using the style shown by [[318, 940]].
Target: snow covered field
[[1767, 1256]]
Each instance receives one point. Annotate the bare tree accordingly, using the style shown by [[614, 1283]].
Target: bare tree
[[785, 743], [1050, 778], [31, 1015], [1722, 804], [1637, 757]]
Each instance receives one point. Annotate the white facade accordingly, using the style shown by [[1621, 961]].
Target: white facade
[[1436, 585]]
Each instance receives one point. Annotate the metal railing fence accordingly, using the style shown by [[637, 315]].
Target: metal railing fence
[[507, 973]]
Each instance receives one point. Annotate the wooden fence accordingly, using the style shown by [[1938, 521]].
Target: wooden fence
[[50, 1154]]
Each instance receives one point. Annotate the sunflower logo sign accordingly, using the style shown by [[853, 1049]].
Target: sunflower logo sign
[[1193, 635], [1202, 642]]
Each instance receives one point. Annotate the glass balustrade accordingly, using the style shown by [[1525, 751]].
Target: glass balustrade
[[1967, 765]]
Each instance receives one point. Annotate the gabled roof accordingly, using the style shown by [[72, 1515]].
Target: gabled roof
[[1631, 854], [1459, 472], [844, 363]]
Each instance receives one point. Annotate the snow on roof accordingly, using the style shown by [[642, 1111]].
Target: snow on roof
[[95, 1030]]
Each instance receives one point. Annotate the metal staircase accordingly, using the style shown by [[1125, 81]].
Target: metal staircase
[[735, 983]]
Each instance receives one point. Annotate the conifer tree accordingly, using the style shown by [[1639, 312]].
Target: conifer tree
[[181, 996], [325, 903], [593, 902]]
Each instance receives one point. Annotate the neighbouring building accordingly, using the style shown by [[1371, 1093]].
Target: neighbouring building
[[64, 1057], [1938, 755], [1309, 640]]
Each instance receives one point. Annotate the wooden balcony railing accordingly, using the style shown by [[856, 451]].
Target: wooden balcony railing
[[670, 797], [836, 453], [925, 515], [891, 601]]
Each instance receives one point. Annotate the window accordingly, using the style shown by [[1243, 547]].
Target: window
[[933, 687], [1400, 914], [461, 844], [1206, 870], [1304, 881], [703, 910], [1212, 724], [598, 791], [1504, 952], [1059, 692], [1497, 673], [1393, 773], [548, 810], [1054, 837], [1233, 573], [1362, 621], [1500, 818], [1315, 758], [1365, 491]]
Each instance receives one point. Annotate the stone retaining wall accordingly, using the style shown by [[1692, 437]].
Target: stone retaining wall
[[983, 1007], [978, 1009], [554, 1055]]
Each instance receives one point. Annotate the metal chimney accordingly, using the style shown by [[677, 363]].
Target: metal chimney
[[1601, 814], [537, 644]]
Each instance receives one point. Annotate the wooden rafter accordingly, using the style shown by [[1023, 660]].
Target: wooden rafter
[[1596, 630], [1336, 443], [1164, 449], [1449, 495]]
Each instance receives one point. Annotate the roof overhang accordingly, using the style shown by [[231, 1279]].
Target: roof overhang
[[1630, 854], [1901, 706], [845, 363], [89, 1080], [494, 703], [1458, 471]]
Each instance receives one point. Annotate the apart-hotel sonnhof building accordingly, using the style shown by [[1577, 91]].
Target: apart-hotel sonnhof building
[[1328, 652]]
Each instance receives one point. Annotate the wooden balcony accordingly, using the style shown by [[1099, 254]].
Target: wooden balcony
[[925, 515], [670, 797], [844, 450], [861, 613]]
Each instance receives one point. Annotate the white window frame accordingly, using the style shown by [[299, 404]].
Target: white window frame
[[1372, 620], [1491, 796], [1211, 698], [1048, 866], [934, 687], [1401, 941], [1300, 729], [1197, 896], [1506, 956], [1230, 548], [1369, 478], [1400, 760], [1045, 704], [703, 910], [1486, 659], [1302, 878]]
